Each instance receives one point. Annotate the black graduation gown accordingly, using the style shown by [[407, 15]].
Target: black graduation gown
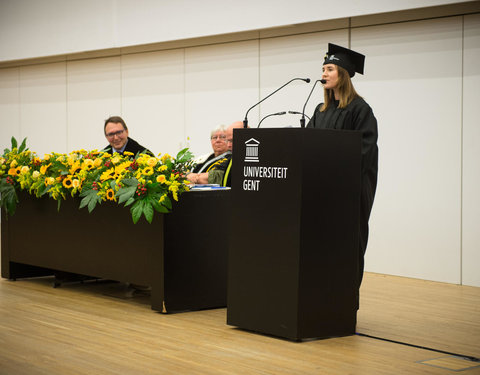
[[132, 146], [209, 162], [356, 116]]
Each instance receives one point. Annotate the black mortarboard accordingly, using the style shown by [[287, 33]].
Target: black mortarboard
[[346, 58]]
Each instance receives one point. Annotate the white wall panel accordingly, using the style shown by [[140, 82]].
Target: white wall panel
[[471, 153], [94, 91], [9, 107], [413, 81], [43, 107], [78, 26], [153, 99], [282, 59], [221, 82], [31, 28]]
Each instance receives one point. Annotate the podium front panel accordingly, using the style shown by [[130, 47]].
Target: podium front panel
[[294, 233]]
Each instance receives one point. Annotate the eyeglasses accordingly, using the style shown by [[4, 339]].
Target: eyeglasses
[[113, 134], [215, 137]]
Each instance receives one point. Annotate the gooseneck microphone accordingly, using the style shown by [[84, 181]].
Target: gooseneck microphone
[[302, 120], [271, 114], [298, 113], [245, 121]]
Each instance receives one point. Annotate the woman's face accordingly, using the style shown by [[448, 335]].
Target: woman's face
[[330, 74]]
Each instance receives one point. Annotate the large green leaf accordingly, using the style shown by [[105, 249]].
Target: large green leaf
[[90, 199], [8, 197], [137, 210], [126, 193], [148, 211], [14, 143], [183, 156], [23, 146]]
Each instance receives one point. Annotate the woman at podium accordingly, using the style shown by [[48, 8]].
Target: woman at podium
[[343, 108]]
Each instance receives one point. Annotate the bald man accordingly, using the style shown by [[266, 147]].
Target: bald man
[[220, 172]]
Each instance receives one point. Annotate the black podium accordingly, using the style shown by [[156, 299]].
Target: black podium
[[293, 255]]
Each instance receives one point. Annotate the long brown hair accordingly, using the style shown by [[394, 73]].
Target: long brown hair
[[345, 90]]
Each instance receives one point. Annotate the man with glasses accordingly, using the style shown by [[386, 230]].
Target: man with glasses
[[116, 132], [218, 139], [219, 172]]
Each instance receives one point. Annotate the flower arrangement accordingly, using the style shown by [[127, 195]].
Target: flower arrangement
[[143, 182]]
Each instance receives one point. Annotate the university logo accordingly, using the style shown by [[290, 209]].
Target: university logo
[[251, 150]]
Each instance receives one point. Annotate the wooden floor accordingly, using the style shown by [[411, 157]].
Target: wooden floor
[[93, 329]]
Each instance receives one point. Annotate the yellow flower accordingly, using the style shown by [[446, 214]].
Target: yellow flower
[[148, 171], [24, 169], [162, 168], [75, 167], [116, 159], [161, 178], [107, 175], [128, 153], [43, 168], [14, 171], [2, 161], [76, 183], [49, 181], [165, 157], [70, 160], [98, 162], [152, 162], [13, 164], [46, 157], [110, 195], [174, 189], [67, 182], [35, 174], [88, 164], [119, 169]]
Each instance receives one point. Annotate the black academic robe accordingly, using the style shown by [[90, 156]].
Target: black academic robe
[[132, 146], [207, 164], [356, 116]]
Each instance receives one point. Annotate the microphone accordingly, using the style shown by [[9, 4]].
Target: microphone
[[302, 120], [271, 114], [245, 121], [297, 113]]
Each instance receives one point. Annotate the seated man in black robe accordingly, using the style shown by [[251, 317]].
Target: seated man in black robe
[[218, 139], [116, 132]]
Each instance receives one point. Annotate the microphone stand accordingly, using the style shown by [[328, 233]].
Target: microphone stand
[[271, 114], [245, 121], [302, 120]]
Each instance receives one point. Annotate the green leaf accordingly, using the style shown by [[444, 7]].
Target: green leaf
[[137, 210], [90, 199], [93, 202], [43, 189], [14, 143], [183, 156], [129, 182], [167, 203], [8, 197], [23, 146], [159, 207], [129, 202], [148, 211], [125, 193]]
